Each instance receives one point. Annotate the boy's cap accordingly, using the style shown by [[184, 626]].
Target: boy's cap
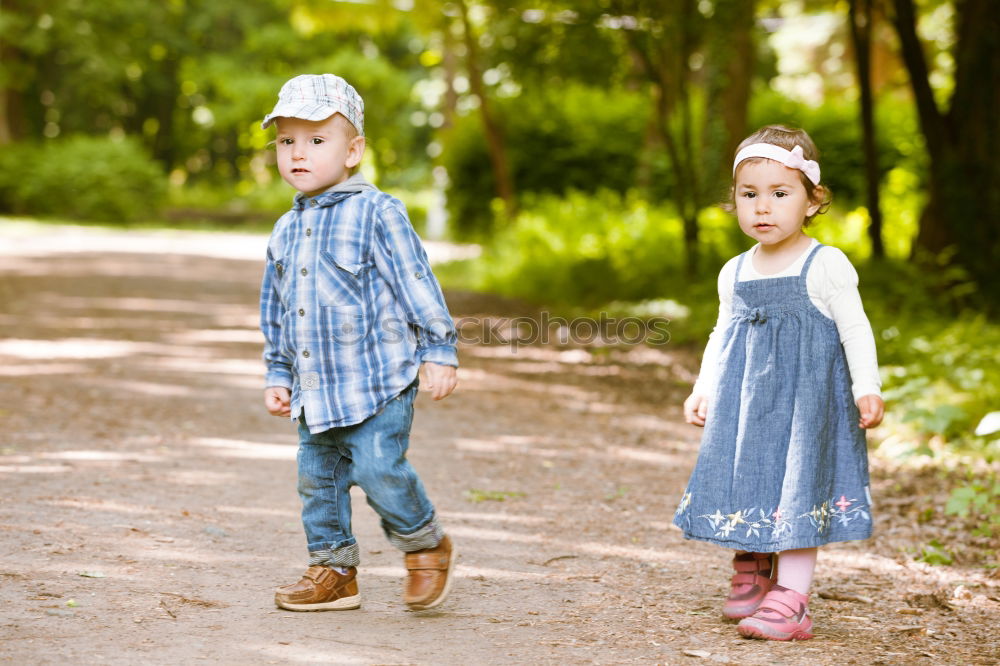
[[317, 97]]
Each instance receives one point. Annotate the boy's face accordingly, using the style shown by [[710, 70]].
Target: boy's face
[[314, 155]]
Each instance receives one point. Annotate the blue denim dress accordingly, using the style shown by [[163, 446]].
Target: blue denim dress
[[783, 463]]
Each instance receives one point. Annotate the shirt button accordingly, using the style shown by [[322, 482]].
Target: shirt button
[[418, 275], [309, 232], [305, 271], [313, 203], [305, 354], [302, 312]]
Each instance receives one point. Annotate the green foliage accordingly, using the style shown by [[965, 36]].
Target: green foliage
[[584, 250], [575, 137], [940, 369], [978, 502], [82, 177], [936, 554], [835, 128], [476, 495]]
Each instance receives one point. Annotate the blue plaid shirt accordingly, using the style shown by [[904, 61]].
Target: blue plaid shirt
[[349, 307]]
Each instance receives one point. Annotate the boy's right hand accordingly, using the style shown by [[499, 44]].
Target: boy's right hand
[[278, 401], [696, 409]]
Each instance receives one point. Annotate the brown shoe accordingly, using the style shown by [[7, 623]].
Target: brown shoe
[[429, 579], [321, 588]]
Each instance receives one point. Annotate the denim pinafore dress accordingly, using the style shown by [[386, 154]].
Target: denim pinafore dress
[[783, 463]]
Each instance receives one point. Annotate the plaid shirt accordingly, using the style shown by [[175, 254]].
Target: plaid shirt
[[349, 307]]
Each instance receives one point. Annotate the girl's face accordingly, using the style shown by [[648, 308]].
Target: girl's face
[[313, 155], [771, 203]]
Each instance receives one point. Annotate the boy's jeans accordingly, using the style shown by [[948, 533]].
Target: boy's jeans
[[370, 454]]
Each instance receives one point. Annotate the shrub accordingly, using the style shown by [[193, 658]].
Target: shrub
[[575, 138], [82, 177]]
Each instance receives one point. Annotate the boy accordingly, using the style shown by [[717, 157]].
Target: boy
[[350, 312]]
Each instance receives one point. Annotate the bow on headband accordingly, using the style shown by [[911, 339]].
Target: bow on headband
[[793, 159]]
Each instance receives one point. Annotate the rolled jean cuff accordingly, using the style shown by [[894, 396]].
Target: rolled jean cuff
[[428, 536], [345, 556]]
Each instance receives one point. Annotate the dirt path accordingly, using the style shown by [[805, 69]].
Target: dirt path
[[147, 502]]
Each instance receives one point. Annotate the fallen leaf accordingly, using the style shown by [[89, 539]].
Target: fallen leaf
[[92, 574], [703, 654], [856, 618], [909, 611]]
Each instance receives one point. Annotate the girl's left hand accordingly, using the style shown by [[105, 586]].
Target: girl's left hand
[[872, 410]]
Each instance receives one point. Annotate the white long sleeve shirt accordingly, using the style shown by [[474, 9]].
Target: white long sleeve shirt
[[832, 285]]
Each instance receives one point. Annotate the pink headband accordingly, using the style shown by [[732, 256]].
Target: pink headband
[[792, 159]]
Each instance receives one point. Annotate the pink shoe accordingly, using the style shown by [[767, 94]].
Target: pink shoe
[[781, 616], [753, 579]]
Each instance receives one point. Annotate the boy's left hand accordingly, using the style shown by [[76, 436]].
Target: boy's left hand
[[439, 379], [872, 410]]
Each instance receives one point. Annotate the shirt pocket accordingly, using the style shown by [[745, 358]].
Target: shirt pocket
[[341, 281]]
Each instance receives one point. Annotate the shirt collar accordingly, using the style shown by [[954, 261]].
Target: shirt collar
[[334, 193]]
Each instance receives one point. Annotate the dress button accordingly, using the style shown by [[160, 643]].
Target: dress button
[[309, 232], [305, 271], [302, 312], [305, 354]]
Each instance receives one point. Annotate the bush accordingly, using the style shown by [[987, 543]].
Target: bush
[[573, 138], [82, 177], [586, 250]]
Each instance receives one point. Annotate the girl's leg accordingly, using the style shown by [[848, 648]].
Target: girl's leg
[[796, 569]]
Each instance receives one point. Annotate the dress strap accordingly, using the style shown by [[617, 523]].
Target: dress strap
[[739, 266], [809, 260]]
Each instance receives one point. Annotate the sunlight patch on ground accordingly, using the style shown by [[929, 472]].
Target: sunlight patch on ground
[[494, 517], [148, 388], [642, 455], [26, 237], [496, 535], [35, 469], [227, 335], [132, 304], [344, 652], [104, 506], [42, 369], [201, 478], [257, 511], [69, 348], [590, 548], [461, 571], [227, 366], [102, 456], [238, 448]]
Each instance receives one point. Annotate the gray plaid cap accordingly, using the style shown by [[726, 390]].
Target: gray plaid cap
[[317, 97]]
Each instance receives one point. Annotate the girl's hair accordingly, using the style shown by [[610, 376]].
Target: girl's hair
[[787, 138]]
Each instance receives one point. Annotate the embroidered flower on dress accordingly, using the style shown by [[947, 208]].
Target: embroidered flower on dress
[[685, 501]]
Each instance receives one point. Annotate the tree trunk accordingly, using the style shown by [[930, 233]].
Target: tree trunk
[[731, 59], [861, 27], [932, 234], [494, 135], [964, 189]]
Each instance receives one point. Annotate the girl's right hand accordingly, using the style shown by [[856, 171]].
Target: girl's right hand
[[696, 409]]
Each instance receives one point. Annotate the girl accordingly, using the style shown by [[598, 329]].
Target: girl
[[788, 381]]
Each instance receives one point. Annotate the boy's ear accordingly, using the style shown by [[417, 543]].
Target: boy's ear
[[355, 151]]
